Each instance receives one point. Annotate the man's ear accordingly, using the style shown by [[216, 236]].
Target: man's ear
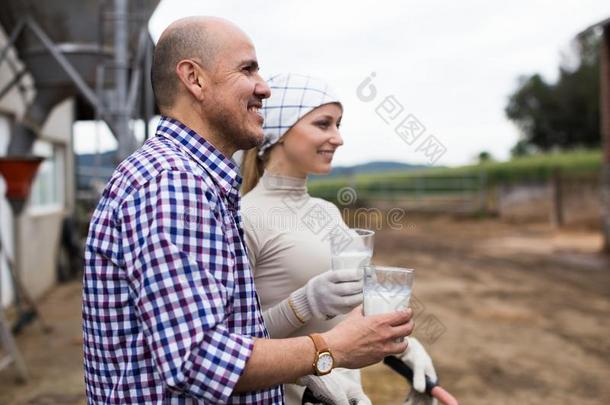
[[191, 77]]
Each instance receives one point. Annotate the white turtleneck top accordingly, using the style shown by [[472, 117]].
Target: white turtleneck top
[[287, 234]]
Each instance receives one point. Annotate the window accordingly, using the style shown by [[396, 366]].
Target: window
[[48, 188]]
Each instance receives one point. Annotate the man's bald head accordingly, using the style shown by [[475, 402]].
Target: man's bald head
[[199, 38]]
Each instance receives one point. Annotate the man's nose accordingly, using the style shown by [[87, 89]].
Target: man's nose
[[261, 89]]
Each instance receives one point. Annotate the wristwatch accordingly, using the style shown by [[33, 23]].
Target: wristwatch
[[324, 361]]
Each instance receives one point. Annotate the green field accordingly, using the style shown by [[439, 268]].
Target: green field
[[463, 178]]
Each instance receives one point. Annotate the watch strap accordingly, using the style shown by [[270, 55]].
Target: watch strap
[[319, 343]]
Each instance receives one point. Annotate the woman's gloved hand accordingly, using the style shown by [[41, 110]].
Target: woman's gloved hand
[[416, 357], [328, 294], [336, 388]]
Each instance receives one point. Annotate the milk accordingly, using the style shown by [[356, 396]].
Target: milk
[[353, 259], [382, 301]]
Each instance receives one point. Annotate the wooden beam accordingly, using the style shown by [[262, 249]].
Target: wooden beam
[[605, 133], [605, 93]]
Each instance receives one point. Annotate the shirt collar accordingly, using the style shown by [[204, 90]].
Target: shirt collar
[[277, 182], [223, 170]]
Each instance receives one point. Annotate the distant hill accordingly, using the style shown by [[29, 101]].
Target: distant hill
[[102, 166], [371, 167]]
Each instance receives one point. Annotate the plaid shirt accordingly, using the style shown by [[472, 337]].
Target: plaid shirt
[[169, 306]]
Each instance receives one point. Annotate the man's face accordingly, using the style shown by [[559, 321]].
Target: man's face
[[236, 94]]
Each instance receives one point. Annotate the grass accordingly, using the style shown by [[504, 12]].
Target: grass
[[456, 179]]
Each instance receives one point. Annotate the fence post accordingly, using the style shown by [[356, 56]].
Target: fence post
[[482, 192], [418, 187], [605, 208], [557, 197], [605, 133]]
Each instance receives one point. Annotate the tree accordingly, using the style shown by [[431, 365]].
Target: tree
[[521, 148], [564, 114], [484, 157]]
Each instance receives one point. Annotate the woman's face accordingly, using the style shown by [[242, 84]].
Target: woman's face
[[308, 147]]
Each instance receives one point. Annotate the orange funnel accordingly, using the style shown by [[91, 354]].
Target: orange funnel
[[18, 173]]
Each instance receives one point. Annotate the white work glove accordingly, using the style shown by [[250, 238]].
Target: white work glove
[[416, 357], [416, 398], [336, 388], [328, 294]]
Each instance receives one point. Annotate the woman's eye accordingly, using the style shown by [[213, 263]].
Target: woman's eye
[[323, 124]]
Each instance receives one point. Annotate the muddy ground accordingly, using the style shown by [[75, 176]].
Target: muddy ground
[[512, 314]]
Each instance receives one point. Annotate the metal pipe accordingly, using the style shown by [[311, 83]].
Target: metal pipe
[[6, 337], [12, 83], [18, 28], [63, 62], [136, 75], [149, 102], [121, 59]]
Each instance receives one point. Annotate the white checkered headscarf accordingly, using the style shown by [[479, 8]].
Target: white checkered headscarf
[[292, 96]]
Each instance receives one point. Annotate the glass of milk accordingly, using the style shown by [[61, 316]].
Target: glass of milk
[[386, 289], [351, 248]]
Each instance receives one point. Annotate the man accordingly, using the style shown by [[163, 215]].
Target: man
[[169, 308]]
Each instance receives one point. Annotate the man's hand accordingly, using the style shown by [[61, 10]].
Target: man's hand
[[360, 341], [336, 388], [356, 342], [420, 362]]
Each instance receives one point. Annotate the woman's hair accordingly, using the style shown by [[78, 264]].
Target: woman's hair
[[252, 168]]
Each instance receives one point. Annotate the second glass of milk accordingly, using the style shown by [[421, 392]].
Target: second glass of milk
[[386, 289], [352, 249]]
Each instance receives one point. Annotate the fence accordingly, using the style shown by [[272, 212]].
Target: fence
[[562, 198], [453, 194]]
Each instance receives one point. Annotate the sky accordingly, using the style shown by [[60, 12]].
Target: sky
[[443, 70]]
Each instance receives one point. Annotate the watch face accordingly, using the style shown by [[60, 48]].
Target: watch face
[[325, 363]]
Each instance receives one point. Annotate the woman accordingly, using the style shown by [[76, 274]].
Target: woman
[[287, 231]]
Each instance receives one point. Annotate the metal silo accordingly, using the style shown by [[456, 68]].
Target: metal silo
[[98, 50]]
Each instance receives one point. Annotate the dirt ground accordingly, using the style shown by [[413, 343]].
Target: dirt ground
[[520, 313], [511, 314]]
